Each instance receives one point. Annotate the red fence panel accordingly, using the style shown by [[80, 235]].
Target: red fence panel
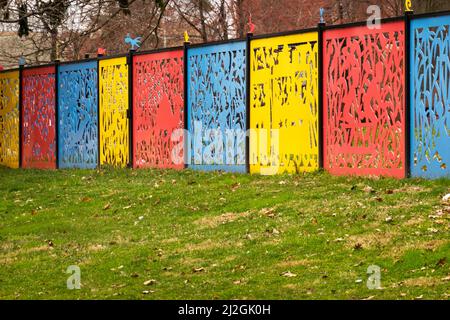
[[364, 100], [38, 118], [158, 109]]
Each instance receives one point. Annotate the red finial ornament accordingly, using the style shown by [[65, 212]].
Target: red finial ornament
[[101, 51], [251, 26]]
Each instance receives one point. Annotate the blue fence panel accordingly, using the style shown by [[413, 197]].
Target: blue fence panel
[[430, 97], [216, 112], [78, 115]]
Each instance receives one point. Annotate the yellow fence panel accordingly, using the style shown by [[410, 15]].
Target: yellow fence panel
[[284, 98], [9, 119], [113, 90]]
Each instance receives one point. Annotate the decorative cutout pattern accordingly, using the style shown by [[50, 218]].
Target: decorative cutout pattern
[[430, 97], [364, 104], [284, 97], [38, 114], [158, 108], [114, 133], [78, 115], [216, 106], [9, 119]]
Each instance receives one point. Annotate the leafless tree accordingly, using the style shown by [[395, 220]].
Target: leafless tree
[[68, 29]]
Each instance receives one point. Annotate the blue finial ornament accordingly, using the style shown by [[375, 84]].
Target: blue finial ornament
[[322, 11], [22, 61], [136, 42]]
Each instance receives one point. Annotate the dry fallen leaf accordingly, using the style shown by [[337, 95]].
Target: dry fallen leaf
[[147, 291], [288, 274], [442, 262], [149, 282], [270, 212], [446, 198], [107, 206], [200, 269], [272, 232]]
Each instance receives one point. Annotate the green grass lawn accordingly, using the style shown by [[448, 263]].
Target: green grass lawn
[[221, 236]]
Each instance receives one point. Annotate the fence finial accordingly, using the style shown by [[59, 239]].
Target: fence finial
[[186, 37], [136, 42], [22, 61], [250, 24], [408, 6], [101, 51], [322, 11]]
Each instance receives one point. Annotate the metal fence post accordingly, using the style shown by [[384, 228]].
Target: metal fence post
[[408, 16], [321, 112], [130, 107], [247, 100], [57, 146], [20, 153], [186, 145], [98, 110]]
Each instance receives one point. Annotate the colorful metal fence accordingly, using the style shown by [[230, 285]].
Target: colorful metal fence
[[114, 126], [362, 130], [38, 118], [430, 97], [216, 106], [364, 100], [158, 110], [78, 115], [284, 99], [9, 119]]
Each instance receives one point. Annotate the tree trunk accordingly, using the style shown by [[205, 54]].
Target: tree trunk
[[202, 20], [223, 20], [240, 18], [54, 42]]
